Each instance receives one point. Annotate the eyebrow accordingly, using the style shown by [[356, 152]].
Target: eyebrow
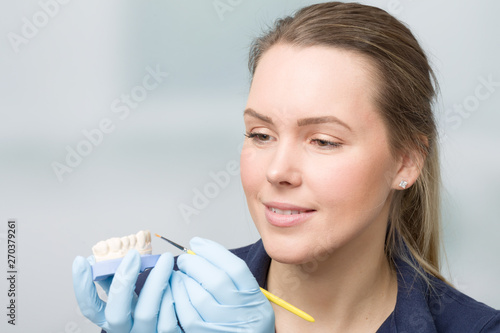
[[300, 122], [255, 114]]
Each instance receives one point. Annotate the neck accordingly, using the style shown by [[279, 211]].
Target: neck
[[351, 289]]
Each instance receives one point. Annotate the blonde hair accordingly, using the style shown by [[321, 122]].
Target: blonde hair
[[405, 97]]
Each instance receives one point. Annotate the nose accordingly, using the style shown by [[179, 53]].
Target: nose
[[284, 167]]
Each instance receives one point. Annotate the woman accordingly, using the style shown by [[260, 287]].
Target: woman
[[341, 173]]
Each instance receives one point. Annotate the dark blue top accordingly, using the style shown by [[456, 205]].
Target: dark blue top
[[418, 309]]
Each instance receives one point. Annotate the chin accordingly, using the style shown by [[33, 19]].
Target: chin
[[287, 250]]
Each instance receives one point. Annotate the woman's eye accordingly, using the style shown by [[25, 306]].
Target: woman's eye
[[326, 143], [258, 136]]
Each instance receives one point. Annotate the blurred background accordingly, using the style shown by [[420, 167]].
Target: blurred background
[[165, 84]]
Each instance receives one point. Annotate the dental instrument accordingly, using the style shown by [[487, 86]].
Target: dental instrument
[[273, 298]]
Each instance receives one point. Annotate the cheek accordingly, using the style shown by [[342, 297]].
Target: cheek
[[251, 172], [356, 180]]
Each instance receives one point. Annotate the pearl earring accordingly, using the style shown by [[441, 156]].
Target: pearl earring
[[403, 184]]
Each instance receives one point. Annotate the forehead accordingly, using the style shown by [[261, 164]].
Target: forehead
[[314, 81]]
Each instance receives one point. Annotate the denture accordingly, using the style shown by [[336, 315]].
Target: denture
[[117, 247]]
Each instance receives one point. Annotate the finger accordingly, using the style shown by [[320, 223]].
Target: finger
[[89, 302], [167, 319], [220, 257], [121, 293], [148, 304], [91, 260], [186, 313], [104, 284], [205, 304], [210, 277]]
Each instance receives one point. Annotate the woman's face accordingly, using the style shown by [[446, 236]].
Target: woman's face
[[316, 166]]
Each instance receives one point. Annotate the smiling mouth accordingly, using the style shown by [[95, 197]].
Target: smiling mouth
[[288, 215]]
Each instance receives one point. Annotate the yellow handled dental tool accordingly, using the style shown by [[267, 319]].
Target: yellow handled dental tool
[[273, 298]]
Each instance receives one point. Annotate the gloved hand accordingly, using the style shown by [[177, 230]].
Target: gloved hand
[[214, 291], [152, 311]]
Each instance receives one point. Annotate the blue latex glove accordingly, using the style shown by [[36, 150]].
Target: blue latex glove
[[152, 311], [214, 291]]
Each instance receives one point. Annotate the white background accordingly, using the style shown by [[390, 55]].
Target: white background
[[64, 78]]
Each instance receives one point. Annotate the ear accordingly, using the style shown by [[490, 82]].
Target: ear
[[409, 167]]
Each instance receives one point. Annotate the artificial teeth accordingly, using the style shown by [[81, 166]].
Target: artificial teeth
[[114, 244], [141, 239], [125, 242], [100, 249], [132, 240], [115, 247]]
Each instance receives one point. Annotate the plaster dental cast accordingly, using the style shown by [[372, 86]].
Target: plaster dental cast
[[340, 169]]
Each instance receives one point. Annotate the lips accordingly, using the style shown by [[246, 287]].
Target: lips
[[286, 215]]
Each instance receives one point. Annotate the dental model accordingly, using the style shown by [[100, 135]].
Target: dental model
[[108, 254], [115, 247]]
